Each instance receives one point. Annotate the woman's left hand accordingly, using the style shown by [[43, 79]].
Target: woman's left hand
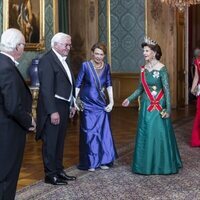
[[164, 114], [109, 107]]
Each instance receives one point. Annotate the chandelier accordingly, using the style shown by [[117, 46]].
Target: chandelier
[[181, 4]]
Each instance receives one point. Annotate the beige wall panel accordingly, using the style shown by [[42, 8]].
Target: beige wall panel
[[83, 20], [123, 85], [161, 26], [92, 25]]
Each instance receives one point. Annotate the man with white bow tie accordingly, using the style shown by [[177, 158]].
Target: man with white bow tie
[[55, 106]]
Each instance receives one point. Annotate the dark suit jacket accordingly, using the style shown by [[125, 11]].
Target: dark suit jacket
[[15, 119], [53, 80]]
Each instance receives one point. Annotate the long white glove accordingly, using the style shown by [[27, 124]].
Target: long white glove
[[109, 107], [77, 90]]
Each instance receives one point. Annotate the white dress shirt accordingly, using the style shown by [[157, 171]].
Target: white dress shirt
[[62, 60]]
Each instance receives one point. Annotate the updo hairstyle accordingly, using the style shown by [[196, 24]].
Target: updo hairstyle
[[156, 48]]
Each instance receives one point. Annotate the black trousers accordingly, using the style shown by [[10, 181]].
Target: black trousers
[[10, 167], [53, 140]]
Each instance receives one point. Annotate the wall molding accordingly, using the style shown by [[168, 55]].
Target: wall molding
[[123, 85]]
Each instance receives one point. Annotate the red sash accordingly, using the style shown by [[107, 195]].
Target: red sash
[[154, 102]]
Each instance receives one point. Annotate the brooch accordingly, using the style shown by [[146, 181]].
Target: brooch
[[156, 74], [154, 93]]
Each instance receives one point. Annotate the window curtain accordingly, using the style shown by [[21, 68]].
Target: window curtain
[[63, 16]]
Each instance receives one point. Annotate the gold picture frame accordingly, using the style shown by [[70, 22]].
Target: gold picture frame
[[28, 17], [55, 14], [108, 11]]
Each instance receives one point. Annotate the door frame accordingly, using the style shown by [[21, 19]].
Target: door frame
[[187, 56]]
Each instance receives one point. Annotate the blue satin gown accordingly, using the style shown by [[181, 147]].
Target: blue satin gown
[[96, 146]]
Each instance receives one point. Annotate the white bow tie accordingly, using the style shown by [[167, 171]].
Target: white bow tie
[[64, 59]]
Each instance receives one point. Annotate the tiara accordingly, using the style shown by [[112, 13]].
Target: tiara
[[148, 40]]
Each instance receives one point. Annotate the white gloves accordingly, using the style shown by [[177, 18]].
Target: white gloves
[[77, 90], [109, 107]]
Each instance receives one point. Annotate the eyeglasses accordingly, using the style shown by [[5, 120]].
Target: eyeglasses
[[21, 44], [65, 45]]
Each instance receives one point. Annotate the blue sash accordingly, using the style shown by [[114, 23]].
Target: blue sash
[[100, 89]]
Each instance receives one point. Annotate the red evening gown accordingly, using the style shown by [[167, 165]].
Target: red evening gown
[[195, 140]]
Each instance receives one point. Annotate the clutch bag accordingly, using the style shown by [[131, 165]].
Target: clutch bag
[[80, 104]]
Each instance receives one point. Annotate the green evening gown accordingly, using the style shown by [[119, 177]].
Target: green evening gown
[[156, 150]]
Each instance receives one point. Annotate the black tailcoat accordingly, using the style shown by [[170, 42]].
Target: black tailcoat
[[15, 120]]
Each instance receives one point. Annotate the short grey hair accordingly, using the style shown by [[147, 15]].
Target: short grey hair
[[196, 52], [9, 39], [58, 37]]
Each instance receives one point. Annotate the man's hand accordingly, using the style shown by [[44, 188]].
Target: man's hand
[[33, 125], [72, 112], [55, 118], [76, 106]]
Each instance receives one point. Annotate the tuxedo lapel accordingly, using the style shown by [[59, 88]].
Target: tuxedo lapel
[[62, 67], [59, 63], [73, 78]]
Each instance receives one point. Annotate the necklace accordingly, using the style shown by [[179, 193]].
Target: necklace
[[151, 64], [97, 67]]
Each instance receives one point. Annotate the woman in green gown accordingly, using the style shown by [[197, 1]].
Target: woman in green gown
[[156, 150]]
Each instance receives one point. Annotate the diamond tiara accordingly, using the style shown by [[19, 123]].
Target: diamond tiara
[[148, 40]]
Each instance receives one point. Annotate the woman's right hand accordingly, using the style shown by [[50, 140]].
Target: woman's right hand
[[125, 103], [193, 92]]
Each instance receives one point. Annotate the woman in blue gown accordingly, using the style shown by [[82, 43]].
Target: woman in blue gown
[[156, 150], [96, 146]]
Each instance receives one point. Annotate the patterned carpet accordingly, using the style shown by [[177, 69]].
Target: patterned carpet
[[119, 183]]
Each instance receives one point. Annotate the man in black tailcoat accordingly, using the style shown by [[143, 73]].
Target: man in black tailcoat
[[15, 112], [55, 106]]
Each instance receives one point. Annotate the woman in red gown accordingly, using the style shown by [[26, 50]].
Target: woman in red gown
[[195, 140]]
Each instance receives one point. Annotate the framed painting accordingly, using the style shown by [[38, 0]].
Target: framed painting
[[28, 17]]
